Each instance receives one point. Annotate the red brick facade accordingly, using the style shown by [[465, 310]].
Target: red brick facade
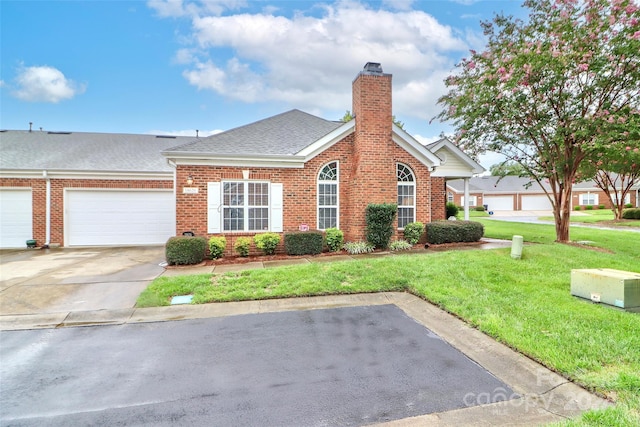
[[367, 160], [39, 196]]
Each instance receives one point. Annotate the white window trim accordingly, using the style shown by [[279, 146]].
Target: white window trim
[[413, 184], [473, 199], [337, 183], [584, 198], [215, 208]]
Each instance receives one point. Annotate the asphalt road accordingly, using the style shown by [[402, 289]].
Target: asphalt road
[[342, 366]]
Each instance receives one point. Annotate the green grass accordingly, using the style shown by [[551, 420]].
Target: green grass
[[524, 303], [594, 217]]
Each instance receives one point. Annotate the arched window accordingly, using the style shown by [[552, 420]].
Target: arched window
[[406, 195], [328, 196]]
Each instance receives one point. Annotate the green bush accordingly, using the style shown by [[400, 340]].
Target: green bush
[[479, 208], [452, 209], [413, 231], [356, 248], [379, 219], [577, 208], [182, 250], [217, 245], [600, 206], [335, 239], [242, 246], [400, 245], [589, 207], [303, 242], [628, 205], [632, 213], [439, 232], [267, 242]]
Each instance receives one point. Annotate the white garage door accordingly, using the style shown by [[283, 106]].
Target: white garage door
[[536, 203], [499, 203], [15, 218], [121, 217]]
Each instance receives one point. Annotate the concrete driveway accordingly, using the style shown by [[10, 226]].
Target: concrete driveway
[[65, 280]]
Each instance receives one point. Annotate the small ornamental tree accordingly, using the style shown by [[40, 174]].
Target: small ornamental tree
[[551, 92]]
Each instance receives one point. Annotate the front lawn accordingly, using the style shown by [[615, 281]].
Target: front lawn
[[604, 216], [524, 303]]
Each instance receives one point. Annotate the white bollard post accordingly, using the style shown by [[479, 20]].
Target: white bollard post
[[516, 247]]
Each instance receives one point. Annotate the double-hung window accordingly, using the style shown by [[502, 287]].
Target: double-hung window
[[588, 199], [406, 195], [244, 206], [328, 196]]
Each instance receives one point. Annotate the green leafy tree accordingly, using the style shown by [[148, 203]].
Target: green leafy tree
[[507, 168], [549, 92], [348, 117]]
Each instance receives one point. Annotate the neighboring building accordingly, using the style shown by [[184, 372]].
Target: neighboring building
[[285, 173], [512, 193], [85, 189]]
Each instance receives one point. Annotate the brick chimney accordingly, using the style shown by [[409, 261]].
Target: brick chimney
[[373, 178]]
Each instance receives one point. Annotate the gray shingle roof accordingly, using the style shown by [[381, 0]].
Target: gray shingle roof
[[495, 184], [280, 135], [82, 151]]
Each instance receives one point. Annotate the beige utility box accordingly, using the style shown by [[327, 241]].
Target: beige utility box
[[614, 287]]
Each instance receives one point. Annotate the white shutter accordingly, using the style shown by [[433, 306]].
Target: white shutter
[[213, 207], [276, 208]]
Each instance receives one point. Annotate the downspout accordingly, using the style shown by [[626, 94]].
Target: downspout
[[173, 165], [47, 232], [466, 199]]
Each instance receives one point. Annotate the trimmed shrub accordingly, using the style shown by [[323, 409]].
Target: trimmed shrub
[[379, 218], [412, 232], [589, 207], [452, 209], [335, 239], [628, 205], [242, 246], [439, 232], [356, 248], [479, 208], [183, 250], [217, 245], [267, 242], [632, 213], [577, 208], [303, 243], [600, 206], [400, 245]]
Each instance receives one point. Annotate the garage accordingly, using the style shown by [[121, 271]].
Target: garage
[[118, 217], [536, 203], [499, 203], [16, 219]]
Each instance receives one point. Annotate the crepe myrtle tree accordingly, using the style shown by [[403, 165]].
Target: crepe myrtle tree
[[550, 92], [615, 172]]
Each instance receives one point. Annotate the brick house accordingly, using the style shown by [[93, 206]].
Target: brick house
[[284, 173], [512, 193]]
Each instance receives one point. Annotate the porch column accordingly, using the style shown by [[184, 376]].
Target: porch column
[[466, 199]]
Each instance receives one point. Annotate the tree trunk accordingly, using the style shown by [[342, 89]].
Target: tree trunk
[[562, 212]]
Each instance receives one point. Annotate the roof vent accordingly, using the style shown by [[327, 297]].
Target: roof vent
[[58, 133], [373, 68], [166, 136]]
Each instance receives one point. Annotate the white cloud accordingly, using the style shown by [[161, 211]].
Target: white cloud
[[187, 132], [45, 84], [2, 83], [178, 8], [308, 61]]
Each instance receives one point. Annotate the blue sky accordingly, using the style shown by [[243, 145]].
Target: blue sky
[[176, 66]]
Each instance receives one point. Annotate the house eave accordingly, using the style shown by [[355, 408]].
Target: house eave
[[327, 141], [207, 159], [79, 174], [412, 146]]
